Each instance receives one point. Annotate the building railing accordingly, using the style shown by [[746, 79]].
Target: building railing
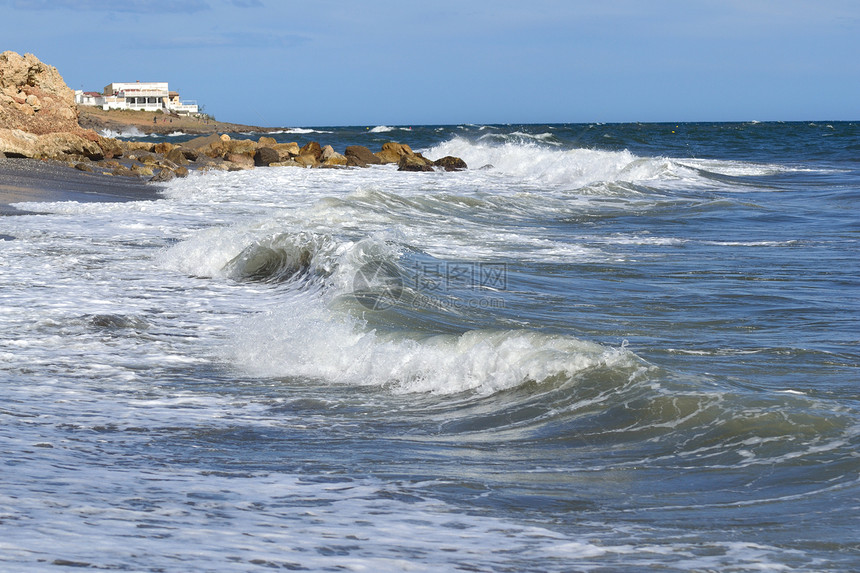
[[141, 93]]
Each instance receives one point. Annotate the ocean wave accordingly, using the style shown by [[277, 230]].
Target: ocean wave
[[572, 168], [301, 338], [521, 137], [387, 129], [259, 255], [282, 257], [126, 132], [302, 130], [710, 167]]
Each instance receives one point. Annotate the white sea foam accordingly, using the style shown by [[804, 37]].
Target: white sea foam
[[522, 136], [129, 329], [302, 130], [739, 168], [123, 133], [301, 338], [304, 336], [570, 169]]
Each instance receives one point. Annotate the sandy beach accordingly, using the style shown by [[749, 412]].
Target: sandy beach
[[26, 180]]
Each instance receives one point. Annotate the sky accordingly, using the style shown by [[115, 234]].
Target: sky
[[291, 63]]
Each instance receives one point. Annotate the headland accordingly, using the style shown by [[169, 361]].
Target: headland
[[44, 133], [123, 120]]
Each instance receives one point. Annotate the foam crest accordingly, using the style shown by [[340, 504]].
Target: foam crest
[[573, 168], [126, 132], [303, 339], [281, 257], [260, 255]]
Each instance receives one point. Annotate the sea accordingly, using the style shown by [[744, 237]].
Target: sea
[[601, 347]]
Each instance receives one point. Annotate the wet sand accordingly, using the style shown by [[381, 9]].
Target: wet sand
[[25, 180]]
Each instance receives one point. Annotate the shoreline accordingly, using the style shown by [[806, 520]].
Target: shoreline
[[157, 123], [32, 180]]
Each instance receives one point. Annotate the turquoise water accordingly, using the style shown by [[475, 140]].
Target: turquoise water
[[602, 347]]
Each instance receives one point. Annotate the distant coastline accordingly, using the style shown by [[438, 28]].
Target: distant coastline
[[147, 122]]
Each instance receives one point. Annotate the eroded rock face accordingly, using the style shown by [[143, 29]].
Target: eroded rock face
[[62, 145], [33, 96]]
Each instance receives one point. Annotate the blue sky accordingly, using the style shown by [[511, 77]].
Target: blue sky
[[325, 62]]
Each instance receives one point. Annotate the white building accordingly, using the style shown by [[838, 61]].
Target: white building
[[140, 96]]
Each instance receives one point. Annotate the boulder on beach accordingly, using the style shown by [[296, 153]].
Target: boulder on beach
[[265, 156], [360, 156], [163, 176], [313, 149], [242, 147], [239, 161], [392, 152], [163, 148], [177, 156], [18, 143], [110, 147], [286, 150], [335, 160], [306, 160], [450, 163], [414, 162], [210, 145]]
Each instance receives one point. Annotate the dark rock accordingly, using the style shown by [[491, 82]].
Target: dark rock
[[265, 156], [450, 163], [163, 176], [177, 156], [83, 167], [123, 171], [360, 156], [145, 157], [416, 162]]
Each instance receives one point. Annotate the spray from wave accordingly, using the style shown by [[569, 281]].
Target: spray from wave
[[534, 162], [302, 339]]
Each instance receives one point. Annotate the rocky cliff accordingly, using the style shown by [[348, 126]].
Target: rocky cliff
[[38, 116], [33, 96]]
